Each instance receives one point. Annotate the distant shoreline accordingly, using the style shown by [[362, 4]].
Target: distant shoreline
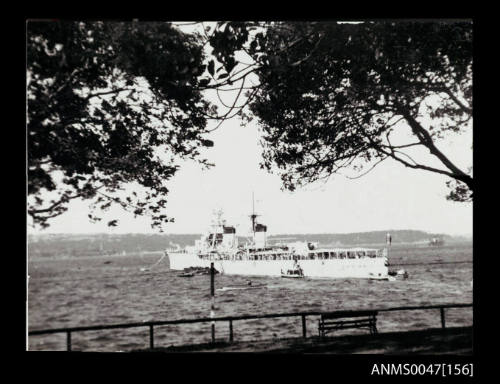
[[72, 253]]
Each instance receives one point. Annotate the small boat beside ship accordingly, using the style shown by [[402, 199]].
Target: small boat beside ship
[[259, 258], [384, 278], [196, 271], [392, 276], [294, 273], [186, 274], [400, 274]]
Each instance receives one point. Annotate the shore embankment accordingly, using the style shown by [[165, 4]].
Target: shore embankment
[[455, 341]]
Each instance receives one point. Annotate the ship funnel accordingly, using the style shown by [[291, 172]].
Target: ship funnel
[[229, 237], [260, 235]]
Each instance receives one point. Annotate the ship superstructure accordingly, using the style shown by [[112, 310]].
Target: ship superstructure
[[258, 258]]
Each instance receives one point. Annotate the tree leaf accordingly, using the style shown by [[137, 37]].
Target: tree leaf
[[211, 66]]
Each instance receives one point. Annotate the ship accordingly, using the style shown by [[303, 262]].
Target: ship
[[219, 245]]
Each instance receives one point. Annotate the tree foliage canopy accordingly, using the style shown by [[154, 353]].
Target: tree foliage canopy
[[330, 95], [110, 106]]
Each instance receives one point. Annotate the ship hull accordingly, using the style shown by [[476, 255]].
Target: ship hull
[[336, 268]]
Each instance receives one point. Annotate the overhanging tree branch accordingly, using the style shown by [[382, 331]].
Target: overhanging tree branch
[[64, 199], [464, 108], [369, 170], [392, 154], [108, 92], [426, 139]]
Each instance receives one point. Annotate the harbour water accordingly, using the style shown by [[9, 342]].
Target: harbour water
[[97, 290]]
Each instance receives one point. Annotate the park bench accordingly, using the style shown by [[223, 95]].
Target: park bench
[[347, 319]]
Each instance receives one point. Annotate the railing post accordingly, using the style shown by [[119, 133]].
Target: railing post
[[68, 341], [230, 331], [304, 333], [442, 308], [151, 337], [212, 294]]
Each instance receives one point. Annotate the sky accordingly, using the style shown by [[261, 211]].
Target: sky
[[390, 197]]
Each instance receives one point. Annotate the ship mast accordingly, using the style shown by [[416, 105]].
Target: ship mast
[[253, 216], [216, 224]]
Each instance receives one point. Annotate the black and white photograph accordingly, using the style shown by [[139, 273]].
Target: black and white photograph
[[277, 186]]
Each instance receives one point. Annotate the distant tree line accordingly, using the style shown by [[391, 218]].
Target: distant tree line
[[102, 244]]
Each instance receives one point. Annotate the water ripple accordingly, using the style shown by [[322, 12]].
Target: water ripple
[[78, 292]]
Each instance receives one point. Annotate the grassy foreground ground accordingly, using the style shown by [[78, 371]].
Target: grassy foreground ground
[[456, 341]]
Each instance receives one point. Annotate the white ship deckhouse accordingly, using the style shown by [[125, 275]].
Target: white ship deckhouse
[[220, 246]]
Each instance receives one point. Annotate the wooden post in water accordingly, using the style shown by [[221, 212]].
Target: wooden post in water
[[212, 294], [388, 240]]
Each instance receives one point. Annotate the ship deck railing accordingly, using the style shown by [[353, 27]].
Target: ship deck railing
[[231, 319]]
